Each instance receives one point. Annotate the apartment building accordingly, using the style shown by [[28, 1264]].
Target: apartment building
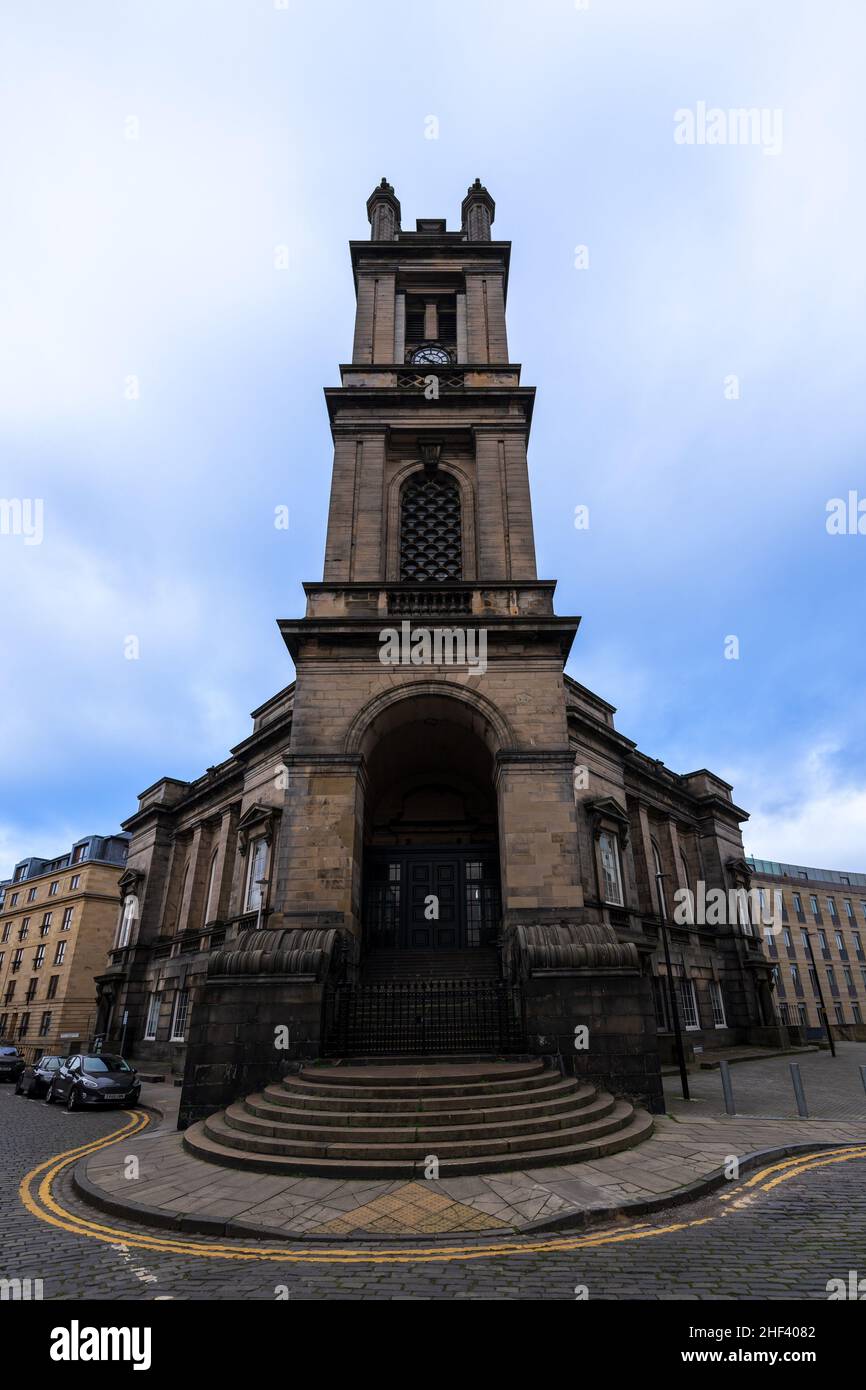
[[57, 920], [816, 945]]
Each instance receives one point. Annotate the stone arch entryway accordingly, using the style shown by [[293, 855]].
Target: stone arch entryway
[[430, 977], [431, 878]]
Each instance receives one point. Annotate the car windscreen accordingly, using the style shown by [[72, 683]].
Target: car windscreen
[[8, 1051], [97, 1066], [51, 1063]]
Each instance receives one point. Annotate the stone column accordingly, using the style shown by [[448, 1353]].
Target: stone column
[[319, 857], [537, 835]]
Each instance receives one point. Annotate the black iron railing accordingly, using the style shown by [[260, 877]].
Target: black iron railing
[[424, 1017]]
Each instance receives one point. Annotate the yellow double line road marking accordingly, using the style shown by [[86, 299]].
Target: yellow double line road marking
[[37, 1196]]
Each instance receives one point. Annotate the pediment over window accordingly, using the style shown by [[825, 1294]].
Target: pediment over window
[[258, 821], [739, 869], [607, 811], [130, 882]]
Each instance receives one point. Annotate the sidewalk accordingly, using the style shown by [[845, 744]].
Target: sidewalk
[[684, 1158]]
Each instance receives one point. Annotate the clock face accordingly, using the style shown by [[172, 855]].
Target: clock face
[[437, 356]]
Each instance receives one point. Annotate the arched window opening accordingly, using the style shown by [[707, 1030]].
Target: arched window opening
[[431, 545]]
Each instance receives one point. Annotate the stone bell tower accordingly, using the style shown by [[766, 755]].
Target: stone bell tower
[[430, 524], [429, 828]]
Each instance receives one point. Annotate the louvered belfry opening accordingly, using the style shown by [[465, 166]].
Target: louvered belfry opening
[[431, 546]]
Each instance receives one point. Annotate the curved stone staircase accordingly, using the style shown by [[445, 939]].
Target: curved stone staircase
[[387, 1121]]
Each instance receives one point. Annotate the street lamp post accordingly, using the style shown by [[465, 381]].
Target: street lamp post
[[675, 1013], [261, 884], [824, 1013]]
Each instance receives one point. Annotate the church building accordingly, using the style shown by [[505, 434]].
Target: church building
[[433, 843]]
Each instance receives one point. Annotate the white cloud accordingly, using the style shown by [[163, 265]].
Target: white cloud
[[804, 812]]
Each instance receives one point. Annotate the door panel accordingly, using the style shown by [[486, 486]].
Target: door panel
[[427, 899]]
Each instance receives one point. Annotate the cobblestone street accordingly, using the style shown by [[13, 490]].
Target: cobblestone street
[[783, 1243]]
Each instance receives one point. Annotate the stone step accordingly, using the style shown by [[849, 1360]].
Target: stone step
[[373, 1082], [411, 1150], [565, 1096], [414, 1129], [211, 1150], [295, 1098]]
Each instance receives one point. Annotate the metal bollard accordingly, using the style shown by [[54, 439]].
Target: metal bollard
[[800, 1094], [727, 1088]]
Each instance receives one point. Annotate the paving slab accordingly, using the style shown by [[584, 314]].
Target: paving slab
[[685, 1155]]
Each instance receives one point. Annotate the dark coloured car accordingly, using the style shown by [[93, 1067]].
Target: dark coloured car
[[35, 1079], [11, 1063], [94, 1079]]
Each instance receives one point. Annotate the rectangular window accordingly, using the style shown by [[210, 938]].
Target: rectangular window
[[840, 944], [857, 1015], [787, 937], [23, 1025], [858, 944], [152, 1021], [45, 1024], [813, 979], [849, 979], [840, 1014], [66, 923], [52, 986], [13, 901], [813, 903], [24, 929], [802, 1015], [52, 888], [804, 941], [822, 940], [46, 921], [59, 953], [785, 1013], [179, 1015], [4, 1019], [31, 990], [687, 1004], [849, 908], [31, 895], [831, 906], [831, 980], [17, 957], [718, 1004], [74, 882], [39, 958], [256, 873], [795, 978], [78, 853], [6, 931], [608, 853], [798, 904]]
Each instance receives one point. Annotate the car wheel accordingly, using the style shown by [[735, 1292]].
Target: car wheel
[[71, 1099], [49, 1094]]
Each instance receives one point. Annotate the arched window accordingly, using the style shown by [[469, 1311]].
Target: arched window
[[658, 885], [182, 894], [431, 545], [210, 897]]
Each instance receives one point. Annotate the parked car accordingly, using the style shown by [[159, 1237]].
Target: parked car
[[35, 1079], [11, 1063], [90, 1078]]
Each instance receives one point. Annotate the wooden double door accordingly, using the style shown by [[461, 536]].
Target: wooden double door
[[431, 898]]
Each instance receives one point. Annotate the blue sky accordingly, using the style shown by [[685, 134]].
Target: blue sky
[[257, 127]]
